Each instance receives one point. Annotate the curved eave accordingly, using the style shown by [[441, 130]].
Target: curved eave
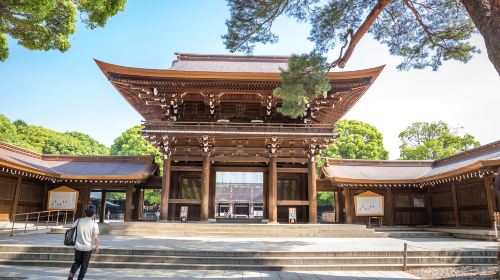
[[108, 68], [456, 172]]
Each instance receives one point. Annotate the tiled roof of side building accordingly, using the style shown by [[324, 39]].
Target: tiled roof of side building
[[76, 167], [413, 170]]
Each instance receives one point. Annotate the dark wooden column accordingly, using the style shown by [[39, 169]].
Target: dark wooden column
[[165, 188], [102, 214], [45, 196], [338, 209], [313, 208], [273, 189], [205, 187], [128, 203], [85, 194], [455, 204], [428, 205], [490, 198], [15, 199], [347, 204], [140, 204], [390, 208]]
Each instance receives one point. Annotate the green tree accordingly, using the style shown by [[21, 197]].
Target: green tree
[[131, 143], [357, 140], [435, 140], [423, 32], [152, 196], [8, 131], [303, 81], [42, 140], [47, 24], [74, 143]]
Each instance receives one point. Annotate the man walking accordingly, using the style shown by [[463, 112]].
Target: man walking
[[87, 236]]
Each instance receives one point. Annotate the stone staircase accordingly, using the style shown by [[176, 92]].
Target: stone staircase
[[437, 232], [242, 260], [239, 230]]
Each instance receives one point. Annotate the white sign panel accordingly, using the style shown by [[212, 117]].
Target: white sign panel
[[369, 205], [62, 200]]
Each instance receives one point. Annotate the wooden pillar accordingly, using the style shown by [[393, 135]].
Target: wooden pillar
[[205, 187], [338, 209], [347, 204], [140, 204], [15, 199], [165, 188], [45, 196], [85, 193], [102, 214], [455, 204], [273, 190], [128, 203], [390, 208], [490, 198], [428, 205], [313, 208]]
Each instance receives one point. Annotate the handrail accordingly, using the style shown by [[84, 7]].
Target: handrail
[[52, 217], [242, 124]]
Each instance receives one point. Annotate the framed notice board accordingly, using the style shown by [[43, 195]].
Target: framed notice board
[[369, 204], [62, 198]]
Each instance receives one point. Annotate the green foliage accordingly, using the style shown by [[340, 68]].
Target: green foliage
[[43, 140], [424, 33], [47, 24], [357, 140], [74, 143], [116, 195], [302, 82], [324, 199], [152, 196], [435, 140], [8, 130], [131, 143]]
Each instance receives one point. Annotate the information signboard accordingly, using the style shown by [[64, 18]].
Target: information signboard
[[62, 198], [184, 213], [369, 204], [292, 215]]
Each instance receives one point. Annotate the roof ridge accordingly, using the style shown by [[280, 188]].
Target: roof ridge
[[49, 157], [472, 152], [17, 149], [230, 57]]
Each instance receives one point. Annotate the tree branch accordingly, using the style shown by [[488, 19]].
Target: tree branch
[[360, 32], [275, 14], [424, 26]]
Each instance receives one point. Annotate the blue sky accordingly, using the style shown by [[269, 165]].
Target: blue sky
[[67, 91]]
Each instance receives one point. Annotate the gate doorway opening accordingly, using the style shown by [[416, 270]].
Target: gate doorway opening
[[239, 196]]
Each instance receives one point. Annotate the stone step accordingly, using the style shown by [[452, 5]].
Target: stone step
[[200, 260], [395, 266], [417, 234], [232, 234], [232, 254]]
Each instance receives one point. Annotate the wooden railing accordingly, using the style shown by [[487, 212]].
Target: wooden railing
[[42, 218], [496, 222]]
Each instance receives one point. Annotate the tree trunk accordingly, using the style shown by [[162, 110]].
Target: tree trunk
[[486, 16]]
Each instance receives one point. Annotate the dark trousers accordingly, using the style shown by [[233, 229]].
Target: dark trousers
[[82, 259]]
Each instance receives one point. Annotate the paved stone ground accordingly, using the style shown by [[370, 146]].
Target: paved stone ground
[[51, 273], [260, 244]]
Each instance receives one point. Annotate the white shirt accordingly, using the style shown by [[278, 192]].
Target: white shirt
[[84, 234]]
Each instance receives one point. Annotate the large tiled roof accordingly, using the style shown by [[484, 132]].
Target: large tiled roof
[[413, 170], [229, 63], [76, 167]]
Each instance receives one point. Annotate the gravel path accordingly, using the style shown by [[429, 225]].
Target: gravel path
[[457, 273]]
